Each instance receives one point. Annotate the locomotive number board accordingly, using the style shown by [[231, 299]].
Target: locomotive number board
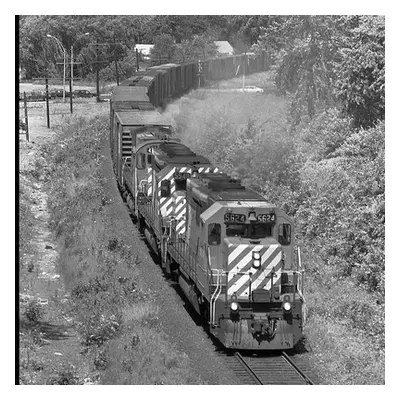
[[266, 218], [234, 218], [181, 175]]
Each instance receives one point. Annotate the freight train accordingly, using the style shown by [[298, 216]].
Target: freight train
[[231, 251]]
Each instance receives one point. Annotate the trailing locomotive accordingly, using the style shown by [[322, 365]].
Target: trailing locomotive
[[230, 250]]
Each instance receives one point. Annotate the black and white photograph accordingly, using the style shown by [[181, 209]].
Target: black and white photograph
[[200, 200]]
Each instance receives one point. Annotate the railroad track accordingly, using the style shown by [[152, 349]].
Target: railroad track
[[279, 369]]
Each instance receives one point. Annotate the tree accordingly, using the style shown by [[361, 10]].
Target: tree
[[360, 71], [304, 48], [164, 48], [245, 30]]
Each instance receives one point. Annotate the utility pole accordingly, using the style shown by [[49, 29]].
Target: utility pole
[[47, 103], [65, 55], [70, 95], [199, 72], [72, 64], [115, 53], [26, 117], [97, 72], [98, 62], [244, 69]]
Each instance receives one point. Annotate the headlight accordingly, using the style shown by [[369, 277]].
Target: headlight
[[256, 259], [234, 306], [287, 307]]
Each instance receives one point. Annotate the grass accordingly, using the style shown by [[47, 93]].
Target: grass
[[345, 329], [118, 337]]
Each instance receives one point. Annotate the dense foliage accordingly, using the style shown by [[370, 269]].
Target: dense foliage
[[112, 38], [322, 60]]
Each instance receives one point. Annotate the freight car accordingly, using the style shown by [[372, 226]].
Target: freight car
[[168, 81], [230, 250]]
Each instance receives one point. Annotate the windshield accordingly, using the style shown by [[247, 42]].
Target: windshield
[[249, 231]]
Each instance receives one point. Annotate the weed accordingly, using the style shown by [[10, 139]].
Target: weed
[[101, 360], [33, 311], [99, 328], [113, 244], [65, 375]]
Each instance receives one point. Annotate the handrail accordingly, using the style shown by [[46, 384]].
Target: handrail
[[215, 295]]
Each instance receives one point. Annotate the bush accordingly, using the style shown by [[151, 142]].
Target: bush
[[100, 328], [33, 311], [64, 376]]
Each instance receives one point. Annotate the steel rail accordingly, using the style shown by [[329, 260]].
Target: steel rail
[[298, 370], [276, 370], [248, 369]]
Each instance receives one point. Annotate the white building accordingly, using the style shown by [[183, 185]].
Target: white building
[[224, 48], [144, 50]]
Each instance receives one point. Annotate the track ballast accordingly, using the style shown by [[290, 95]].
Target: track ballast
[[277, 369]]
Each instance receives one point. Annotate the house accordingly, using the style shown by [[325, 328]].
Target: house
[[224, 48], [144, 50]]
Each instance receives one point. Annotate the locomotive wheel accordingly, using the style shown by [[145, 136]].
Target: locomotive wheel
[[141, 224], [205, 312], [166, 267], [174, 271]]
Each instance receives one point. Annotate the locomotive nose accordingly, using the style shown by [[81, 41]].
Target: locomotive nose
[[252, 266]]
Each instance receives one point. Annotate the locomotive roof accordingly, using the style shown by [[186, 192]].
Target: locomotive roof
[[222, 187], [139, 117], [178, 153]]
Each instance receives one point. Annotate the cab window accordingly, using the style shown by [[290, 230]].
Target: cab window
[[214, 234], [284, 234], [165, 188], [249, 231], [141, 161], [180, 184]]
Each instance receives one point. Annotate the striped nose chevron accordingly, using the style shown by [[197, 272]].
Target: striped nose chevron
[[241, 270]]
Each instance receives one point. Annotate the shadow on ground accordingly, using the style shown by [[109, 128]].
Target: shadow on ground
[[47, 330]]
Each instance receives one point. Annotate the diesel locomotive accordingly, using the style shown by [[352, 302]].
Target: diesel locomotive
[[231, 251]]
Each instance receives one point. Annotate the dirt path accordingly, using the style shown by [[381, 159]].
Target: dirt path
[[51, 343]]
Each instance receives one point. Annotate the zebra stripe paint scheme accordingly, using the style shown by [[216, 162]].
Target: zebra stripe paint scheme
[[240, 260], [166, 203], [180, 214], [149, 182]]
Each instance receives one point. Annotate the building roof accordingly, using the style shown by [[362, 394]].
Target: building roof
[[144, 48], [224, 47]]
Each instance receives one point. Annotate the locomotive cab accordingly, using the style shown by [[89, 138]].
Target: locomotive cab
[[248, 274]]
